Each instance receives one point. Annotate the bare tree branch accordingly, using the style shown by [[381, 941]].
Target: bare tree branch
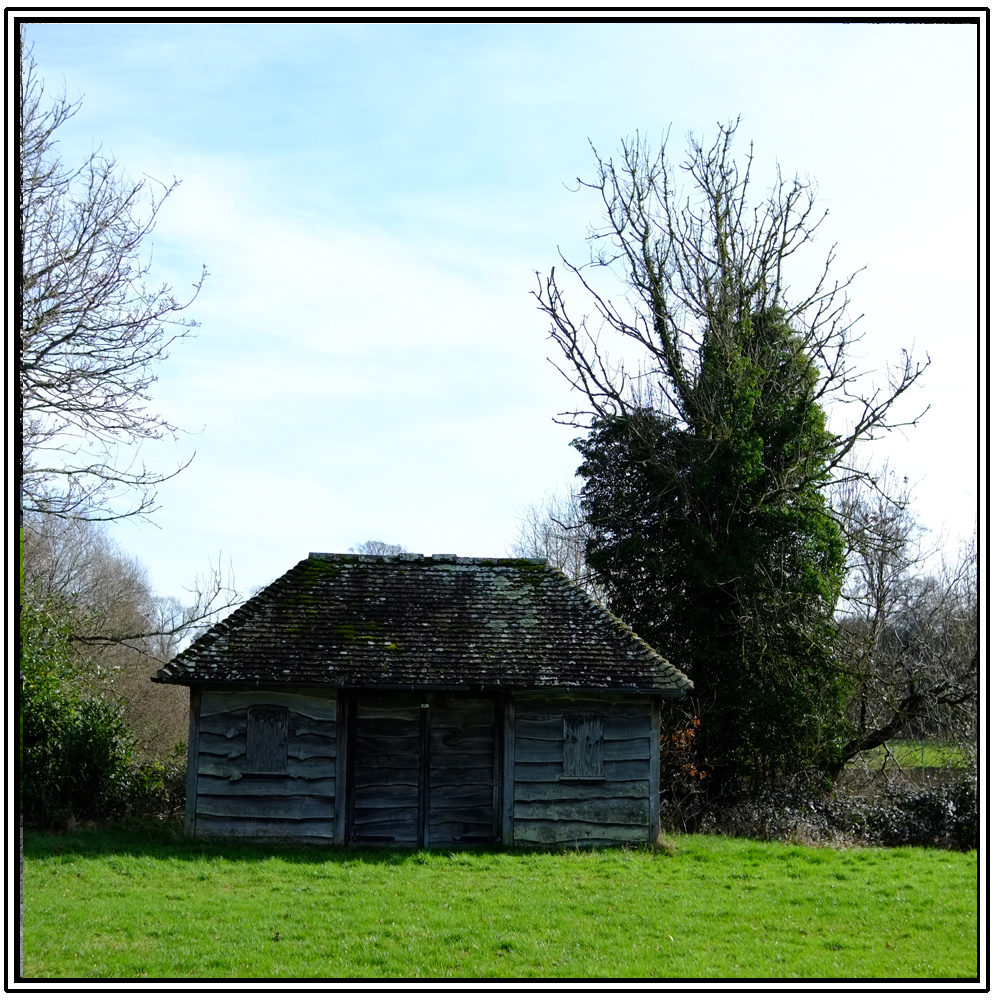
[[557, 531], [109, 592], [909, 638], [693, 266], [91, 330]]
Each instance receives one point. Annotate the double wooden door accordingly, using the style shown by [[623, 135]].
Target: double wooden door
[[423, 769]]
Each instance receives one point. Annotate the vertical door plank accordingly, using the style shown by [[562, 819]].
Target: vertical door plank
[[656, 704], [509, 720], [461, 768], [385, 768], [191, 797], [340, 789]]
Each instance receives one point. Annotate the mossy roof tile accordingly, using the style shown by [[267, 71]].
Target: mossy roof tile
[[445, 621]]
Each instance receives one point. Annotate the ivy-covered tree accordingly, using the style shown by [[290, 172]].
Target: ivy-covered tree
[[729, 580], [707, 462]]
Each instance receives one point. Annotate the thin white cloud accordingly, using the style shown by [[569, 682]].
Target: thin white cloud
[[373, 199]]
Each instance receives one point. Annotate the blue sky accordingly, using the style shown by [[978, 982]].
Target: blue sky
[[373, 200]]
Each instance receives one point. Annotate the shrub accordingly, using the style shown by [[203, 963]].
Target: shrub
[[78, 756], [158, 788], [945, 816], [75, 750], [894, 815], [684, 774]]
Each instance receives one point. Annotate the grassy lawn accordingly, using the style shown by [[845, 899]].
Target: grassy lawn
[[915, 754], [128, 904]]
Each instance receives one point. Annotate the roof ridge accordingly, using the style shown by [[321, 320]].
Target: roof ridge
[[437, 557]]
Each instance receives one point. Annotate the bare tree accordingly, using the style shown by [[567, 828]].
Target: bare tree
[[109, 592], [373, 547], [694, 267], [557, 531], [909, 635], [91, 331], [77, 561]]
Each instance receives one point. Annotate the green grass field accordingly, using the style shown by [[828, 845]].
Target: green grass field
[[126, 904], [917, 754]]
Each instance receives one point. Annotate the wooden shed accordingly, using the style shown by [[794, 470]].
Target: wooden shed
[[424, 701]]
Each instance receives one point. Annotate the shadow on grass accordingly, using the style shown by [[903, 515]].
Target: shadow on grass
[[166, 840]]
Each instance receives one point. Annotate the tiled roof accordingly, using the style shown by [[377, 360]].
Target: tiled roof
[[442, 621]]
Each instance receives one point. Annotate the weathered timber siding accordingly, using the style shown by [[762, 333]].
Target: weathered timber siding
[[507, 798], [655, 715], [463, 800], [297, 805], [191, 785], [423, 769], [551, 806], [385, 768]]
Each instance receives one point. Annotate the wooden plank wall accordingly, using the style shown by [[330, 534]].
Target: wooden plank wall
[[462, 801], [298, 805], [191, 785], [423, 769], [549, 808], [385, 749]]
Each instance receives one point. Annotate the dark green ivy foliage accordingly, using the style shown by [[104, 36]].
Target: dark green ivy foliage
[[713, 540]]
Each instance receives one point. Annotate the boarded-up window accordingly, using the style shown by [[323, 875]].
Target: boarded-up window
[[583, 745], [267, 739]]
